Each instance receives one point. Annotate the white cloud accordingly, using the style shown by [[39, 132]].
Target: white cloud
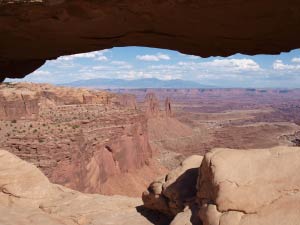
[[156, 57], [296, 60], [234, 64], [41, 73], [224, 65], [122, 64], [279, 65], [119, 62], [163, 56], [97, 55], [102, 58], [193, 57]]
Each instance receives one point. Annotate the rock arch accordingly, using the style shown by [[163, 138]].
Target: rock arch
[[33, 31]]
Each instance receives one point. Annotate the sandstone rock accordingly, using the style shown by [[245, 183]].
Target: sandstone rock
[[152, 105], [183, 218], [168, 108], [170, 194], [27, 197], [83, 139], [23, 100], [127, 100], [82, 26], [239, 187]]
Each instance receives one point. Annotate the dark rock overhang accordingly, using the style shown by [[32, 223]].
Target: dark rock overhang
[[32, 31]]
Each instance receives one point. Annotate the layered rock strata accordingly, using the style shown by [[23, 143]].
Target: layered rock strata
[[91, 141]]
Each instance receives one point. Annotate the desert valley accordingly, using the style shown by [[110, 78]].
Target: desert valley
[[123, 142], [149, 112]]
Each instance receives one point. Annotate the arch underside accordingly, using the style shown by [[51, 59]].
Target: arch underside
[[32, 32]]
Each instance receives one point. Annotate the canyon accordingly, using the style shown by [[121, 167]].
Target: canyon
[[176, 148], [200, 156], [91, 141]]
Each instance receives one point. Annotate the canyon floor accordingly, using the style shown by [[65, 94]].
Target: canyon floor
[[117, 142], [203, 119]]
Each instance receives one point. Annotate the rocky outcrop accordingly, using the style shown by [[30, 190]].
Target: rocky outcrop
[[234, 187], [50, 28], [168, 107], [172, 193], [239, 187], [23, 100], [27, 197], [152, 105], [183, 218], [95, 166], [127, 100], [91, 141]]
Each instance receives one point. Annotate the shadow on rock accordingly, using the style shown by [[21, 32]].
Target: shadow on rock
[[155, 217], [175, 193]]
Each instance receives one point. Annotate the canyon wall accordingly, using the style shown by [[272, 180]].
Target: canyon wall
[[92, 141]]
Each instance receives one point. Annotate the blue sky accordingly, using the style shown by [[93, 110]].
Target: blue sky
[[139, 62]]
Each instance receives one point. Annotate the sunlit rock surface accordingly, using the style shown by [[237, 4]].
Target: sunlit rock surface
[[239, 187], [90, 141], [27, 197]]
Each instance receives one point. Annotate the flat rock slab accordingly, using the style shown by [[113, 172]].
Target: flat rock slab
[[27, 197]]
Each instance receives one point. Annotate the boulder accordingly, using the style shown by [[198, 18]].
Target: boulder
[[170, 194], [183, 218], [242, 187]]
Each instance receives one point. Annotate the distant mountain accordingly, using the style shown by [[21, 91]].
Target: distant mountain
[[139, 83]]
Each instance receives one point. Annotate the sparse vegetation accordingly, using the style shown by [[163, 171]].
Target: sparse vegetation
[[75, 126]]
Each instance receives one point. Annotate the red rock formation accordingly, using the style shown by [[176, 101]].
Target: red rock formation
[[127, 100], [77, 140], [168, 107], [50, 28], [20, 105], [27, 197], [152, 105], [95, 164], [240, 187]]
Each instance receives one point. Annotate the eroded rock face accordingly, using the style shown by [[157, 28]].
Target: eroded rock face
[[27, 197], [90, 141], [168, 107], [50, 28], [240, 187], [152, 105], [172, 193], [23, 100], [235, 187]]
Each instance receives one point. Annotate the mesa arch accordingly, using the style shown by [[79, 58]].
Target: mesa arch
[[33, 31]]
